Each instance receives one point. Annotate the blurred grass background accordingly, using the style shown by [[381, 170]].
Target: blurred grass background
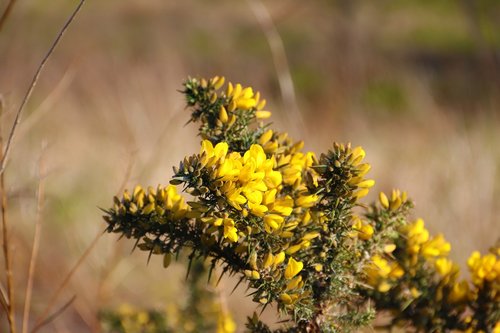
[[415, 82]]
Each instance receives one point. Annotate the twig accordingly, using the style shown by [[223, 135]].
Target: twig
[[3, 299], [41, 319], [57, 313], [36, 245], [6, 13], [280, 61], [34, 81], [11, 315], [128, 171]]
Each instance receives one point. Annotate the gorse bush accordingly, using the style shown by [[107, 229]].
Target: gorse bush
[[291, 226]]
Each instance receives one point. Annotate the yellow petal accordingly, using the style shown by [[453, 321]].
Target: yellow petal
[[223, 117], [384, 201], [262, 114], [293, 268]]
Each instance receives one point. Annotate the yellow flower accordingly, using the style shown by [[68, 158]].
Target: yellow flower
[[279, 258], [285, 298], [306, 201], [381, 273], [484, 268], [417, 235], [262, 114], [235, 198], [264, 138], [223, 117], [415, 293], [230, 232], [444, 266], [268, 260], [225, 323], [384, 201], [252, 274], [310, 235], [257, 210], [362, 230], [283, 206], [217, 82], [160, 201], [293, 268], [243, 98], [366, 183], [294, 283], [435, 247], [358, 154], [384, 287], [389, 248], [361, 193], [273, 179], [211, 155], [397, 199], [246, 100], [269, 197], [459, 292], [396, 271], [272, 222]]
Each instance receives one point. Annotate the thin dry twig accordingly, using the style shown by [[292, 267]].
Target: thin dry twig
[[128, 170], [57, 313], [34, 81], [36, 244], [42, 318], [11, 315], [280, 61], [6, 13], [3, 299]]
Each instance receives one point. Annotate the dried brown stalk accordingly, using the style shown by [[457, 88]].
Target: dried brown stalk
[[11, 317], [280, 60], [32, 85], [41, 320], [36, 245], [6, 13]]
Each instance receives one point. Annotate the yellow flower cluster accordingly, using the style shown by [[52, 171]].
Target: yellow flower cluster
[[396, 200], [225, 322], [418, 247], [245, 99], [253, 184], [133, 320], [128, 319], [484, 269], [162, 201], [249, 182], [269, 189], [420, 243], [382, 274], [236, 101], [416, 273], [363, 185], [361, 229]]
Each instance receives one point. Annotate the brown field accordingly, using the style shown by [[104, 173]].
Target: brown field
[[416, 84]]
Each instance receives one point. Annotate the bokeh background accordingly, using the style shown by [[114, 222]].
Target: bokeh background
[[415, 82]]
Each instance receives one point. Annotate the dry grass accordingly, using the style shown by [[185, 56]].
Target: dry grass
[[108, 109]]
